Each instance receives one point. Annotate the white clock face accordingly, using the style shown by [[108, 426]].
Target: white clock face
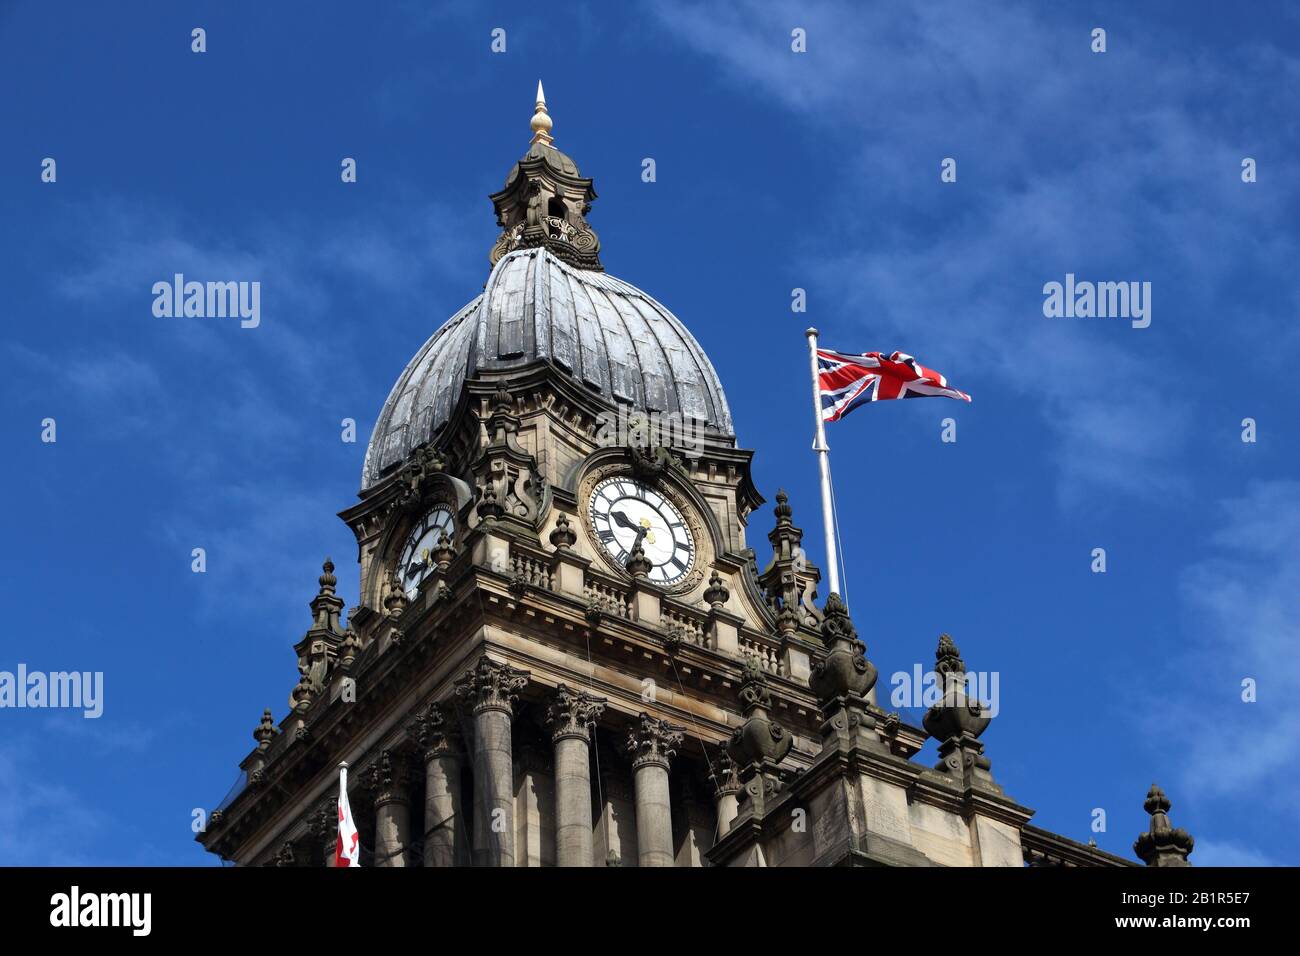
[[625, 513], [415, 562]]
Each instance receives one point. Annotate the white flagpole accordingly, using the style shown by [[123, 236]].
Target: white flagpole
[[824, 463]]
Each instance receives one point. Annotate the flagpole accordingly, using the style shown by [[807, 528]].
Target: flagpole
[[824, 463]]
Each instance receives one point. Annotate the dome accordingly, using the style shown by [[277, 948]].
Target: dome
[[609, 336]]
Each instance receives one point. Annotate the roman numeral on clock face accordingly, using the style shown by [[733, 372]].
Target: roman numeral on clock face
[[625, 513]]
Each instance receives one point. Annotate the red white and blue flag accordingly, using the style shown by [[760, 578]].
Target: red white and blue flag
[[846, 381]]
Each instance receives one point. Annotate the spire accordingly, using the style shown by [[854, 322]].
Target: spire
[[541, 120], [545, 201]]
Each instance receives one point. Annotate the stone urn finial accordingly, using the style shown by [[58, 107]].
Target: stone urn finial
[[757, 746], [1164, 844], [957, 721], [842, 680]]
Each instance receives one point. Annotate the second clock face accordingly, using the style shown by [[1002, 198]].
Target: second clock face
[[624, 512], [415, 562]]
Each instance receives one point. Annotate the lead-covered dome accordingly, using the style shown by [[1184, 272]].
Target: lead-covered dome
[[548, 299], [607, 335]]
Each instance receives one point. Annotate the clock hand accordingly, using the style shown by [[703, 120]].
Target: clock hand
[[623, 521]]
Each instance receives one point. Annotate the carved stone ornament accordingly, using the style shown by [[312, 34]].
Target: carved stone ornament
[[572, 712], [957, 721], [716, 594], [563, 536], [845, 670], [265, 731], [387, 778], [724, 775], [490, 685], [434, 733], [1164, 844], [422, 464], [653, 741], [760, 743]]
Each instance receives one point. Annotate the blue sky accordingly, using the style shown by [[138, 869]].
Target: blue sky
[[775, 170]]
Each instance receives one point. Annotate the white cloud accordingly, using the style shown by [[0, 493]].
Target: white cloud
[[45, 823], [1224, 853], [1068, 162]]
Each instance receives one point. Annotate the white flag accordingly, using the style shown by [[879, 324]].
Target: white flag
[[347, 851]]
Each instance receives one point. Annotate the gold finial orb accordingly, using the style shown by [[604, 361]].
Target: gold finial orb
[[541, 120]]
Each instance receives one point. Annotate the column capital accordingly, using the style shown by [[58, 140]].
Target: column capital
[[653, 742], [491, 685], [435, 733], [387, 778], [323, 824], [572, 712]]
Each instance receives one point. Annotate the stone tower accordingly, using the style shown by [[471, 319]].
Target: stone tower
[[564, 652]]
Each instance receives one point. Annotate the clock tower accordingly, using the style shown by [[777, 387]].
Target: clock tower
[[564, 650]]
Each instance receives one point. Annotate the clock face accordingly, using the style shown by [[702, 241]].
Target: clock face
[[624, 512], [415, 562]]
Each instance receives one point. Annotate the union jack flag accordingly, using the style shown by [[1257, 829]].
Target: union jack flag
[[846, 381]]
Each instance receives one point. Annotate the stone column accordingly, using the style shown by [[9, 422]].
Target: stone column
[[446, 835], [490, 688], [653, 743], [388, 779], [726, 788], [571, 715]]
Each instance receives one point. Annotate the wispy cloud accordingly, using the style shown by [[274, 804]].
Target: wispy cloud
[[1067, 162], [1239, 622], [1217, 853], [46, 823]]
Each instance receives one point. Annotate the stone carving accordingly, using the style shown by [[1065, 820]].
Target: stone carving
[[301, 697], [323, 823], [350, 650], [563, 536], [1163, 844], [724, 775], [387, 778], [509, 483], [957, 722], [421, 465], [653, 741], [789, 582], [716, 594], [319, 648], [434, 733], [265, 731], [489, 509], [759, 744], [638, 565], [571, 713], [490, 685], [841, 680], [649, 464], [396, 601]]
